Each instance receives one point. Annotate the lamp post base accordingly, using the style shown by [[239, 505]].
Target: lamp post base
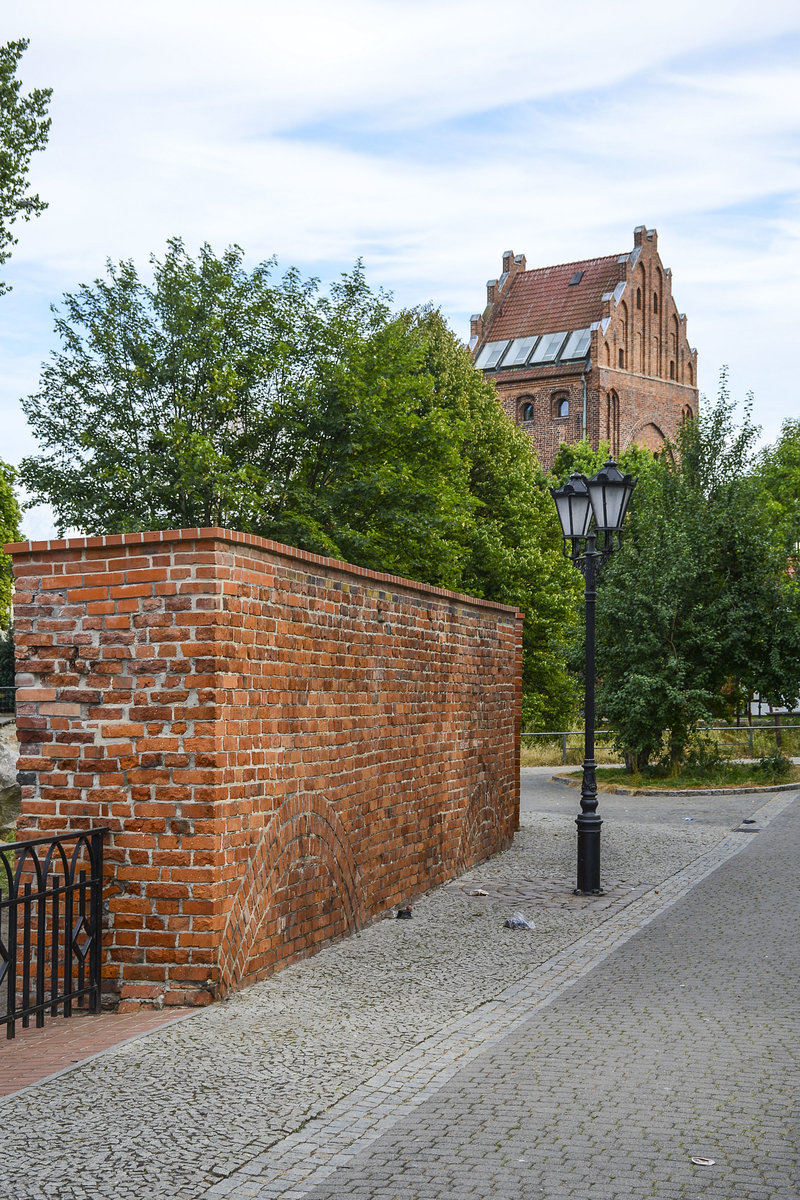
[[588, 824]]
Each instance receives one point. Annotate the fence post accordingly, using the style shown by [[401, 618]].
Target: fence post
[[96, 918], [750, 739], [564, 749]]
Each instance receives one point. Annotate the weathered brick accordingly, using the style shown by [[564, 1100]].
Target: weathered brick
[[307, 744]]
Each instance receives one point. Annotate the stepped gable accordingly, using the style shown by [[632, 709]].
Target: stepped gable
[[594, 349]]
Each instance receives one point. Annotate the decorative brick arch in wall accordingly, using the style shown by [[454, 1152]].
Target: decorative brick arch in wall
[[265, 927], [648, 434], [479, 824]]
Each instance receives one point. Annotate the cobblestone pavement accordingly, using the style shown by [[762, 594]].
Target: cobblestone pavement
[[259, 1095], [34, 1054]]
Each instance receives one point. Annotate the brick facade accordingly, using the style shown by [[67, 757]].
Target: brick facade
[[284, 746], [636, 379]]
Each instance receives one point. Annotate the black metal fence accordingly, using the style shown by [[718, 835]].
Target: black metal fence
[[51, 892], [8, 701]]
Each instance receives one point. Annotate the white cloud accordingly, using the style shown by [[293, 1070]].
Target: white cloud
[[428, 136]]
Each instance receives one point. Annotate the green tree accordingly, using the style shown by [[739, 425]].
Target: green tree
[[583, 458], [9, 532], [779, 470], [24, 127], [219, 396], [698, 605]]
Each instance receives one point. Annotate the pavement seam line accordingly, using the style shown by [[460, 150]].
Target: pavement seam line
[[304, 1159]]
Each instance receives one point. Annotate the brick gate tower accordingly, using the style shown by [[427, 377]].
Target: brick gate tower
[[594, 349]]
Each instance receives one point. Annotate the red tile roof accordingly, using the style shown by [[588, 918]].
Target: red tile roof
[[541, 301]]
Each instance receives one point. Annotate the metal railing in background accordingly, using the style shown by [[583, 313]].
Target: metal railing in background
[[747, 732], [51, 893], [527, 739]]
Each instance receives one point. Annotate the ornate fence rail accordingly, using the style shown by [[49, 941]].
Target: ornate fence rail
[[51, 912]]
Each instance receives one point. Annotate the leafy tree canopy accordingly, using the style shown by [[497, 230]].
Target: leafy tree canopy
[[220, 396], [698, 608], [24, 127], [779, 469], [582, 458], [9, 532]]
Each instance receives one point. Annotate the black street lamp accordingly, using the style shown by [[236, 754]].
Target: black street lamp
[[591, 512]]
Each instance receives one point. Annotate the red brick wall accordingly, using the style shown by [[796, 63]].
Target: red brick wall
[[283, 746], [546, 429]]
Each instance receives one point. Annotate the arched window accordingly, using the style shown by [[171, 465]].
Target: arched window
[[621, 356], [672, 368], [691, 374], [526, 411], [686, 412], [638, 297], [563, 408], [560, 406], [655, 302], [612, 421]]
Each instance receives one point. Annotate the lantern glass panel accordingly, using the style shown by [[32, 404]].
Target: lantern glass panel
[[610, 492], [573, 507]]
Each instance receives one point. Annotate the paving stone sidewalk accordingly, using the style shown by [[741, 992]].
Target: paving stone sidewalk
[[668, 1070], [216, 1099]]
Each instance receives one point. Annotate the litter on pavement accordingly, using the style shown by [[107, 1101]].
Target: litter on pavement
[[517, 921]]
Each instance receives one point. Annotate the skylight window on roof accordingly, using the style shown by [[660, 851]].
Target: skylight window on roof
[[519, 351], [577, 344], [490, 355], [548, 347], [576, 278]]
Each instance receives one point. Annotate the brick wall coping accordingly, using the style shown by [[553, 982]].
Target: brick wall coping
[[152, 537]]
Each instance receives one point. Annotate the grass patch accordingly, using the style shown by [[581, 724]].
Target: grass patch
[[772, 769], [730, 743]]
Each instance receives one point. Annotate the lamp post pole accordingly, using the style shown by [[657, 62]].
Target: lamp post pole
[[589, 821], [591, 512]]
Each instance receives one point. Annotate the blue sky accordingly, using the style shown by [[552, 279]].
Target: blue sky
[[426, 136]]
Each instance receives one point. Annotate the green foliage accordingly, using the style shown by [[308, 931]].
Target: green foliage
[[580, 457], [698, 606], [775, 765], [515, 556], [7, 667], [9, 532], [779, 470], [218, 396], [24, 127], [772, 770]]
